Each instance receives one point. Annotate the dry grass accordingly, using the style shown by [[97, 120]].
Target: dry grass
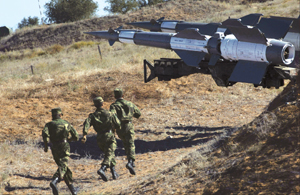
[[62, 65]]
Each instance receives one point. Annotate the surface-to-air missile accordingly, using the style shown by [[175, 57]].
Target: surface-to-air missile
[[271, 27], [238, 53], [175, 26]]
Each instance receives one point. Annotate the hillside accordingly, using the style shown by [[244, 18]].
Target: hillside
[[193, 137]]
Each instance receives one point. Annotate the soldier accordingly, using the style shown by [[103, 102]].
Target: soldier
[[125, 110], [57, 132], [103, 122]]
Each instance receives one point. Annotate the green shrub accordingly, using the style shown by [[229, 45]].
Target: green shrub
[[81, 44], [54, 49]]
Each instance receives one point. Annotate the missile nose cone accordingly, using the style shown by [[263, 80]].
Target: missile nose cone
[[90, 33], [130, 23], [104, 35]]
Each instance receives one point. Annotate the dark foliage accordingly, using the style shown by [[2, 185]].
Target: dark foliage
[[123, 6], [61, 11], [28, 22]]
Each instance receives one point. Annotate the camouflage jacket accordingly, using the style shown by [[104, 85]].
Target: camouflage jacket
[[125, 110], [58, 130], [102, 120]]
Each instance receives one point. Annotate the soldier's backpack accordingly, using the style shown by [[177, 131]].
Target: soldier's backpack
[[127, 112]]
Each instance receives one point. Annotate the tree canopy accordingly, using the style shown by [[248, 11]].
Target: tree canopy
[[61, 11], [30, 21], [123, 6]]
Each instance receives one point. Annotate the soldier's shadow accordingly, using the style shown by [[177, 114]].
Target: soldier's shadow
[[200, 136], [10, 188], [91, 150]]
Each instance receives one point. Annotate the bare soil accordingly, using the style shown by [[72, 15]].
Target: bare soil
[[179, 117]]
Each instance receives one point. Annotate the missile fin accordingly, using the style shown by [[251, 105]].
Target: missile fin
[[213, 59], [204, 29], [190, 58], [110, 30], [274, 27], [190, 33], [160, 19], [295, 25], [243, 33], [249, 72], [209, 29], [251, 19], [232, 22], [111, 42], [152, 21], [119, 28]]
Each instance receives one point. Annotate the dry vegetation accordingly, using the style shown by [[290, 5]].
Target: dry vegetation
[[193, 137]]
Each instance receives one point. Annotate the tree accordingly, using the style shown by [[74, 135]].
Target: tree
[[143, 3], [28, 22], [123, 6], [61, 11]]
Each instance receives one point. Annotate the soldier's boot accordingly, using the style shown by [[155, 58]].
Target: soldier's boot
[[101, 172], [130, 167], [115, 175], [53, 184], [73, 190]]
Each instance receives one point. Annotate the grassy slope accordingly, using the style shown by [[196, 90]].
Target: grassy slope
[[261, 156]]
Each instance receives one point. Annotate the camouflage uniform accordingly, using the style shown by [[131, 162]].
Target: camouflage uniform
[[101, 120], [125, 110], [57, 132]]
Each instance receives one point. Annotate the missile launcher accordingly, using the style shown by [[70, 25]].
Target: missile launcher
[[263, 54]]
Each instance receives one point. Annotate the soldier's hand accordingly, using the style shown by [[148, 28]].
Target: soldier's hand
[[83, 139]]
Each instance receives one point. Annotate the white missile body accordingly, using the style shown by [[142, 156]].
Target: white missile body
[[232, 49]]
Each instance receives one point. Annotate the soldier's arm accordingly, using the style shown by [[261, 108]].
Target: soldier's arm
[[137, 112], [46, 136], [86, 126], [112, 109], [74, 134], [116, 123]]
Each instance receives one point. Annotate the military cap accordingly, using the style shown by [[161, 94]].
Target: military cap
[[118, 92], [56, 111], [98, 100]]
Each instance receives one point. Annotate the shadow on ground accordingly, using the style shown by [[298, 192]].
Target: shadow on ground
[[199, 135], [187, 136], [11, 188]]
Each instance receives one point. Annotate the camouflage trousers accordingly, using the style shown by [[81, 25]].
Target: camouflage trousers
[[61, 153], [107, 144], [126, 134]]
